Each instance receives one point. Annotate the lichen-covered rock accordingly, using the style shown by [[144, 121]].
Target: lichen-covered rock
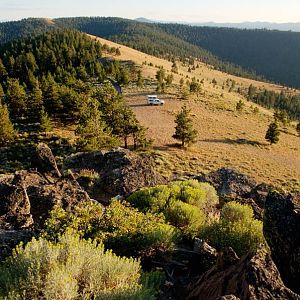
[[250, 278], [45, 160], [282, 232]]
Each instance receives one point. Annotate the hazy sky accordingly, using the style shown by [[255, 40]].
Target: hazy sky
[[170, 10]]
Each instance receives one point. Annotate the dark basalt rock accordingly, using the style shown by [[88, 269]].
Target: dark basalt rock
[[9, 239], [45, 161], [27, 197], [250, 278], [282, 232], [121, 172]]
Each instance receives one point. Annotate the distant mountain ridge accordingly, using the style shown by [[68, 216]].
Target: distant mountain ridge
[[289, 26]]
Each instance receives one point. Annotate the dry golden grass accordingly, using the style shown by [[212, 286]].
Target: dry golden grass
[[226, 138]]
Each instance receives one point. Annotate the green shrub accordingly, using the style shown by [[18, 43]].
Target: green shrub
[[235, 212], [186, 217], [155, 199], [236, 228], [152, 199], [120, 227], [85, 219], [200, 194], [130, 232], [73, 268], [185, 204]]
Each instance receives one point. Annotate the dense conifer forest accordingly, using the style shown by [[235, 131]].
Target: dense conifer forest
[[59, 76]]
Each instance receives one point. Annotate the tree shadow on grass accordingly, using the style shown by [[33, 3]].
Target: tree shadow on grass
[[138, 105], [234, 142]]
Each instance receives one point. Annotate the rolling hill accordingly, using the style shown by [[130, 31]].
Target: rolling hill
[[273, 55]]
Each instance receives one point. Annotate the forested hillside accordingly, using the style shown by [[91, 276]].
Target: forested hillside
[[58, 76], [147, 38], [247, 53], [27, 27], [150, 39], [273, 54]]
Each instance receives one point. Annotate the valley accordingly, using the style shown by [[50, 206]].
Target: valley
[[226, 137], [108, 193]]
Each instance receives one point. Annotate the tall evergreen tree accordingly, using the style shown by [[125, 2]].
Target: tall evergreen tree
[[272, 134], [3, 72], [16, 98], [184, 130], [7, 132], [140, 79], [35, 104], [93, 132], [1, 92], [45, 122]]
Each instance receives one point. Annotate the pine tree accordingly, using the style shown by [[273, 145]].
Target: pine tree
[[160, 76], [16, 98], [184, 130], [240, 105], [272, 134], [128, 125], [45, 122], [1, 92], [174, 67], [298, 128], [251, 91], [140, 80], [35, 104], [93, 132], [3, 72], [7, 132]]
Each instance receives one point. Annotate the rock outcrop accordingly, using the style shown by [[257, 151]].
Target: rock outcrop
[[28, 197], [45, 160], [121, 172], [233, 185], [250, 278], [282, 232]]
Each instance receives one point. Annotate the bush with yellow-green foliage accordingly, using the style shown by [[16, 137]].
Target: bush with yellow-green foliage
[[120, 227], [236, 228], [73, 268], [186, 217], [186, 205]]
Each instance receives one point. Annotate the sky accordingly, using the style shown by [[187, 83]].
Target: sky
[[168, 10]]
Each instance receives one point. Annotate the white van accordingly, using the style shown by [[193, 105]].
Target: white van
[[153, 100]]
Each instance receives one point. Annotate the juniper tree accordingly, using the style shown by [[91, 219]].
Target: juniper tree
[[184, 130], [272, 134]]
